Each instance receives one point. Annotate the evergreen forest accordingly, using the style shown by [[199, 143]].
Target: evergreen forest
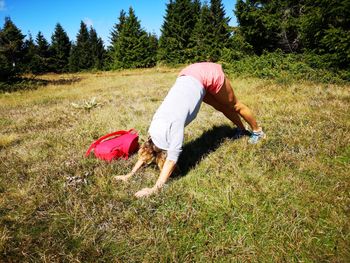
[[308, 39]]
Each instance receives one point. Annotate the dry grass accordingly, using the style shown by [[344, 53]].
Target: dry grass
[[286, 199]]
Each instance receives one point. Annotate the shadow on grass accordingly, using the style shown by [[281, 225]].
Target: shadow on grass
[[194, 151], [17, 84]]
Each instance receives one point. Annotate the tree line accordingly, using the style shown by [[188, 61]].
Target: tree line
[[191, 31]]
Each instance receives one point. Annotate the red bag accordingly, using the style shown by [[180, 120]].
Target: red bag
[[120, 144]]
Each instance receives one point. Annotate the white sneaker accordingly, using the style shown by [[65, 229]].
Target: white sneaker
[[255, 137]]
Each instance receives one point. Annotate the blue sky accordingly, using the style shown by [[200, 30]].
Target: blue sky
[[42, 15]]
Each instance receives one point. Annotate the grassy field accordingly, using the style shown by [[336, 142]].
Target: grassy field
[[284, 200]]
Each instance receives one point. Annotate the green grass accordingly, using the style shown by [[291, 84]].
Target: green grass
[[284, 200]]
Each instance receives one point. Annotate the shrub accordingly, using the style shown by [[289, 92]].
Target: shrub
[[279, 66]]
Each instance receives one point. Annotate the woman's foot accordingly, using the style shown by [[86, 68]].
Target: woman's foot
[[256, 136]]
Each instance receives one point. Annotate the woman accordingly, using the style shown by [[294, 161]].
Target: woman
[[196, 83]]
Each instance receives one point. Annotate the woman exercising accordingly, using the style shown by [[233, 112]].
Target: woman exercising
[[198, 82]]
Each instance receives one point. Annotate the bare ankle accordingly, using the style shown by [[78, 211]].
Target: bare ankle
[[259, 129]]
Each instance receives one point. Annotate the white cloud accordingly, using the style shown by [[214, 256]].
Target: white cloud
[[2, 5], [88, 21]]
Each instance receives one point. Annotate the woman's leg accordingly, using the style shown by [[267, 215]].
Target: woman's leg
[[226, 102], [227, 111]]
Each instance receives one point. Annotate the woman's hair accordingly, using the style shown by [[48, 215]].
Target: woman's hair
[[149, 153]]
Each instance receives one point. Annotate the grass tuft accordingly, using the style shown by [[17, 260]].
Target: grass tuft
[[8, 139], [87, 104]]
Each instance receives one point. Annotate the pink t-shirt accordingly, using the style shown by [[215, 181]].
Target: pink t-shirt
[[209, 74]]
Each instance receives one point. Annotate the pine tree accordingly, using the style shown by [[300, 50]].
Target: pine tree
[[30, 62], [179, 22], [132, 48], [270, 25], [237, 47], [252, 23], [11, 50], [153, 48], [126, 49], [60, 50], [80, 58], [150, 46], [114, 34], [117, 29], [196, 9], [43, 45], [73, 61], [97, 49], [325, 30], [168, 48], [201, 40], [43, 53], [211, 33], [220, 28]]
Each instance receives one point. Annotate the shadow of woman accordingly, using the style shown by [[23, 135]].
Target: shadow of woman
[[197, 149]]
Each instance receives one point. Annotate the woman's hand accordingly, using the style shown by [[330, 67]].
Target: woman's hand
[[145, 192], [126, 177], [167, 169], [123, 178]]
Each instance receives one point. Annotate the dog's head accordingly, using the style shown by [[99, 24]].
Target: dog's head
[[149, 153]]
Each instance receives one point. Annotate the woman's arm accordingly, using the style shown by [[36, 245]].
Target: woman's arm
[[126, 177], [167, 170]]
